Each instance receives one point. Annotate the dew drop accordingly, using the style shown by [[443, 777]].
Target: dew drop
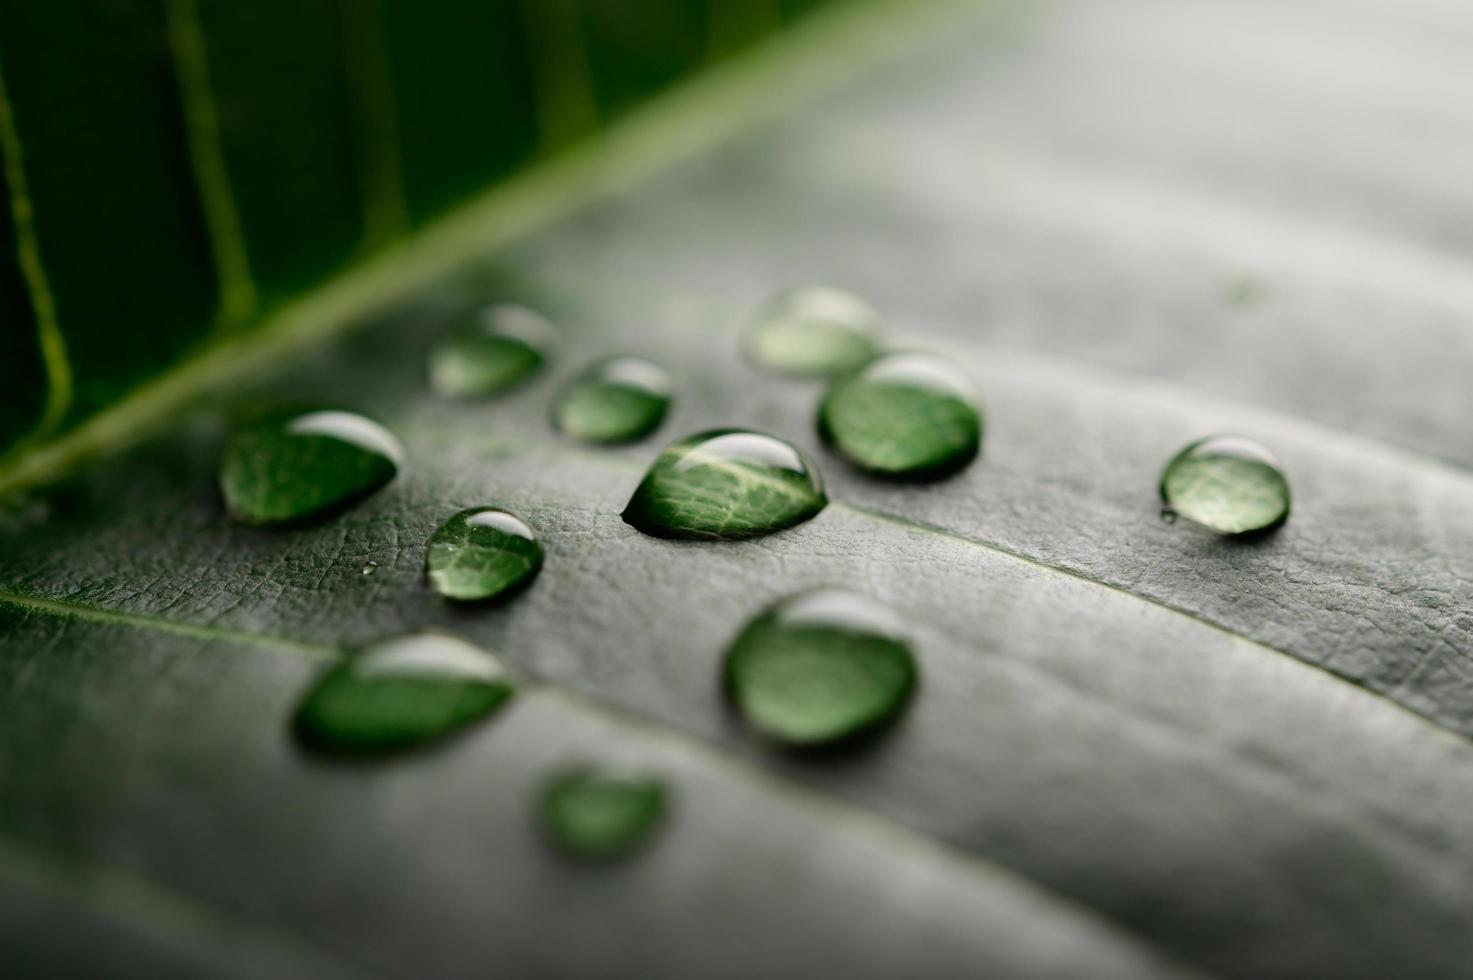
[[1227, 483], [820, 668], [369, 567], [726, 484], [620, 399], [598, 814], [399, 693], [814, 331], [489, 351], [482, 553], [290, 468], [907, 414]]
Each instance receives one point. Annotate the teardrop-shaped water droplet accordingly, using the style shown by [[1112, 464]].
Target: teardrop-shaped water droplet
[[490, 350], [616, 400], [814, 331], [400, 693], [482, 553], [599, 814], [821, 667], [291, 468], [1227, 483], [726, 483], [906, 414]]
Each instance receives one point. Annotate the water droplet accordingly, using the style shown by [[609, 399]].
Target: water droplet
[[399, 693], [820, 668], [726, 483], [814, 331], [369, 567], [617, 400], [482, 553], [491, 350], [600, 814], [1227, 483], [906, 415], [294, 467], [1168, 516], [1245, 291]]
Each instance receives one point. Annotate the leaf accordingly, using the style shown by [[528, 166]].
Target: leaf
[[240, 154], [1134, 745]]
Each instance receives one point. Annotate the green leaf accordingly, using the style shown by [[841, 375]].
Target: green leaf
[[240, 154], [1138, 749]]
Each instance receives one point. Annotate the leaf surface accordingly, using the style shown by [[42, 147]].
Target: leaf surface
[[1134, 745]]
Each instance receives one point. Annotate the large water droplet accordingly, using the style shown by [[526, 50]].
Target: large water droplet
[[726, 483], [906, 414], [600, 814], [482, 553], [617, 400], [399, 693], [814, 331], [820, 668], [490, 350], [1227, 483], [294, 467]]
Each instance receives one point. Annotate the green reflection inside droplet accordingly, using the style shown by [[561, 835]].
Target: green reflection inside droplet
[[906, 414], [726, 483], [1227, 483], [814, 331], [820, 668], [489, 351], [482, 553], [289, 468], [599, 814], [399, 693], [616, 400]]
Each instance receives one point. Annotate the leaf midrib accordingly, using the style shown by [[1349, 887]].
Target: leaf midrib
[[629, 465]]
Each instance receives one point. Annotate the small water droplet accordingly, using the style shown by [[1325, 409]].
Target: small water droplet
[[724, 484], [598, 814], [1246, 291], [814, 331], [400, 693], [489, 351], [1168, 515], [1227, 483], [620, 399], [289, 468], [482, 553], [369, 567], [906, 414], [820, 668]]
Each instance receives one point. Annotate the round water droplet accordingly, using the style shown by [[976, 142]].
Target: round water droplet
[[400, 693], [617, 400], [482, 553], [600, 814], [726, 483], [1227, 483], [295, 467], [906, 414], [369, 567], [820, 668], [814, 331], [491, 350]]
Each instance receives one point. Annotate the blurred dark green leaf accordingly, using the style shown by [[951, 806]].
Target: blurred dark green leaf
[[216, 160]]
